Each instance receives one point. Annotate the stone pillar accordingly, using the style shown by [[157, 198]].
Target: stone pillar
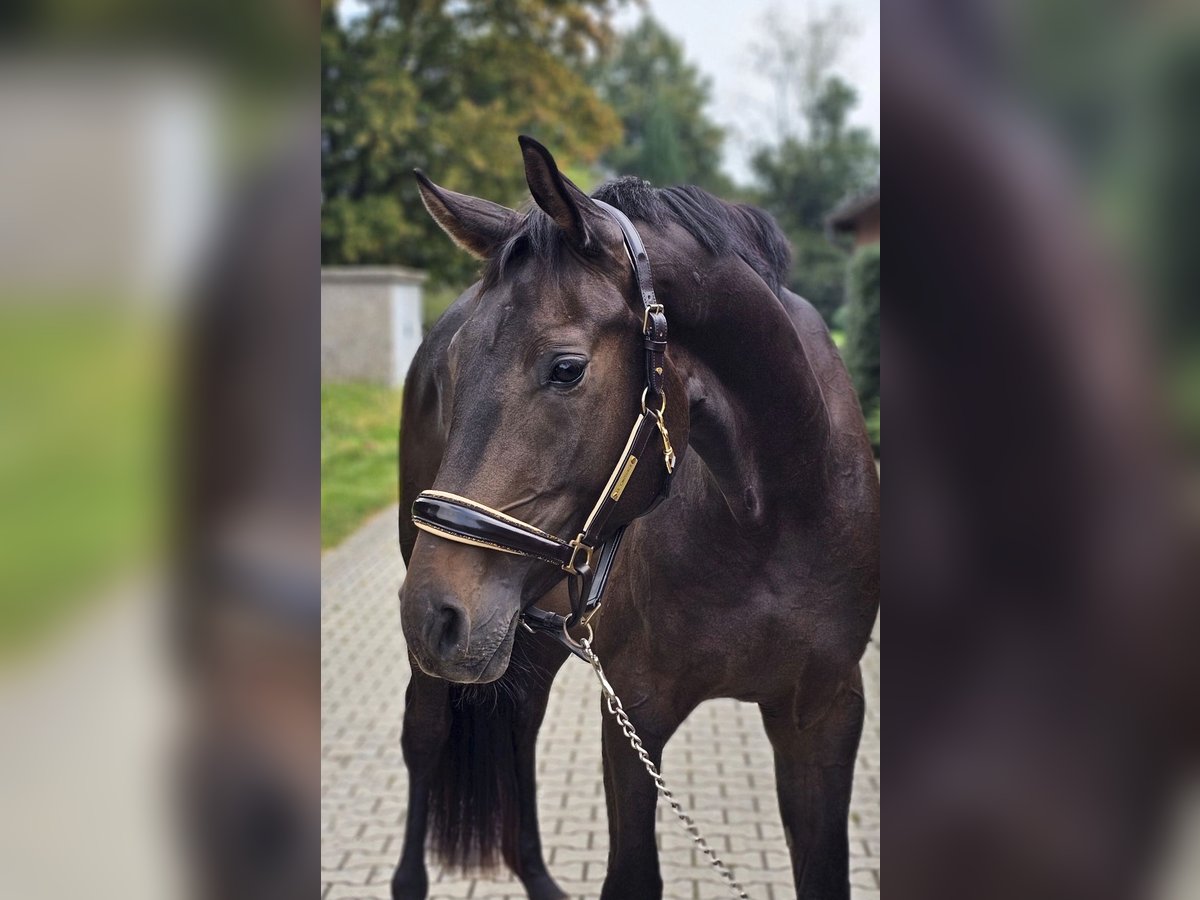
[[370, 323]]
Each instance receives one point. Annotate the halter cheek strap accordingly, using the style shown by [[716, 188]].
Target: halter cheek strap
[[588, 557]]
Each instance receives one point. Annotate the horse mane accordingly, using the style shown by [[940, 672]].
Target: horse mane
[[720, 227]]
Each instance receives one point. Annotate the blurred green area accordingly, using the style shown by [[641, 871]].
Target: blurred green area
[[360, 448], [1119, 92], [83, 394], [1167, 184], [262, 46], [872, 418]]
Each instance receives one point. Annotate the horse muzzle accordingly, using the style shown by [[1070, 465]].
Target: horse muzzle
[[451, 641]]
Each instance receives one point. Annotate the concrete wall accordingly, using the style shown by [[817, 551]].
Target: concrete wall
[[370, 323]]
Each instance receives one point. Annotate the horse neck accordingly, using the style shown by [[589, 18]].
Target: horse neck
[[758, 416]]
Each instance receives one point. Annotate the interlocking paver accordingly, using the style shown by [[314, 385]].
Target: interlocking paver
[[719, 763]]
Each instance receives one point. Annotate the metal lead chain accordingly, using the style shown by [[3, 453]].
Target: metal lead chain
[[613, 702]]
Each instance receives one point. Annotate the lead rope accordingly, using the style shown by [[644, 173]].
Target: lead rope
[[613, 703]]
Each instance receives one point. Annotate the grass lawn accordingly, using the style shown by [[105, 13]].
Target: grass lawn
[[82, 390], [360, 426]]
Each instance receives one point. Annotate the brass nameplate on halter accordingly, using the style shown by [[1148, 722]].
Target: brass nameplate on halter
[[630, 465]]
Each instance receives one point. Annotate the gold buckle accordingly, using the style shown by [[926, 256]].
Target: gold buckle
[[577, 545], [652, 308]]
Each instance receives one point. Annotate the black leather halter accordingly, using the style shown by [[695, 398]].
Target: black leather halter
[[588, 558]]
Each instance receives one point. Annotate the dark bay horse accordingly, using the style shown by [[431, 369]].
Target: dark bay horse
[[756, 579]]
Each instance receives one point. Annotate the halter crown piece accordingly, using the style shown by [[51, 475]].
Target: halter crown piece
[[588, 557]]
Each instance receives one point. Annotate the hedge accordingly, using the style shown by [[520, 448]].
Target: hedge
[[861, 350]]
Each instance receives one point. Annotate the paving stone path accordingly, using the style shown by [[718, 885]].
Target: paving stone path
[[719, 763]]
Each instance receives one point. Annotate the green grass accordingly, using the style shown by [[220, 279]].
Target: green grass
[[83, 393], [360, 426]]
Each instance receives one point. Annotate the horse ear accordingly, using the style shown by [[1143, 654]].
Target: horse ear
[[478, 226], [556, 194]]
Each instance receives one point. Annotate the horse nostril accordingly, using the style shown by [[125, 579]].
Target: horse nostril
[[448, 629]]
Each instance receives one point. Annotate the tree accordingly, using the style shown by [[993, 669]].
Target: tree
[[660, 98], [447, 85], [819, 158], [801, 182], [797, 61]]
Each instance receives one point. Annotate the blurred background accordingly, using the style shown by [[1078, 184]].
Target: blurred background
[[159, 447], [1040, 533]]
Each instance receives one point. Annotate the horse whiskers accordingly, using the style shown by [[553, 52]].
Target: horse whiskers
[[514, 685]]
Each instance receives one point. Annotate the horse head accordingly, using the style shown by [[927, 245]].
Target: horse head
[[543, 377]]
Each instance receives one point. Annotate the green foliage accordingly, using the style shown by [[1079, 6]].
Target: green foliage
[[872, 419], [802, 179], [360, 443], [1169, 190], [263, 44], [660, 98], [861, 350], [447, 86]]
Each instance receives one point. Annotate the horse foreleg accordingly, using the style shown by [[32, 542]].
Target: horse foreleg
[[426, 727], [815, 734], [532, 866], [633, 869]]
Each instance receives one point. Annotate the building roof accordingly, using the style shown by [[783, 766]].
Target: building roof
[[846, 214]]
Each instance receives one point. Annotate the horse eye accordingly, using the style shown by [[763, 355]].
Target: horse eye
[[567, 371]]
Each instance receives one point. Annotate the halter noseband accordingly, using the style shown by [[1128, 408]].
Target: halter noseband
[[586, 559]]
